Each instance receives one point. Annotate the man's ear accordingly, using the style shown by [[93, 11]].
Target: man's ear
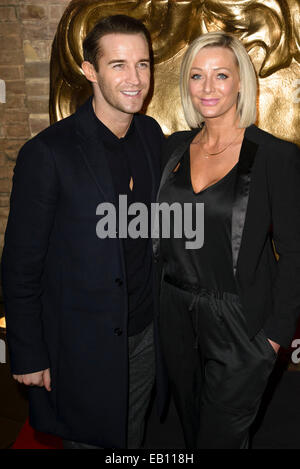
[[89, 71]]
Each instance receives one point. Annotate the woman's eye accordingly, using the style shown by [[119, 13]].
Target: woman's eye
[[222, 76], [195, 76], [143, 64]]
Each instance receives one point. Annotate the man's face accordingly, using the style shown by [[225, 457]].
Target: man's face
[[123, 78]]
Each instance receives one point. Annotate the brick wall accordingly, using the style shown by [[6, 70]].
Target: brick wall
[[27, 29]]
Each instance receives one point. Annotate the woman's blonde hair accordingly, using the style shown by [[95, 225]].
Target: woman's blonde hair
[[246, 105]]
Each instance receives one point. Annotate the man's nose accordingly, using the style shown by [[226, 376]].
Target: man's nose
[[133, 76]]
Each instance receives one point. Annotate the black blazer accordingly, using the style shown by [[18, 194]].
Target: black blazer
[[65, 292], [266, 208]]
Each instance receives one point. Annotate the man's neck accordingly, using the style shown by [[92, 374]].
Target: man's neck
[[118, 126]]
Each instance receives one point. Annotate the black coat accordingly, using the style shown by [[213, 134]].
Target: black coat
[[65, 290], [266, 209]]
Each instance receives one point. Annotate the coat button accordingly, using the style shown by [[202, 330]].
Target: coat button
[[118, 331], [119, 282]]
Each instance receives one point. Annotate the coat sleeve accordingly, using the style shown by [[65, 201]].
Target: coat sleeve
[[284, 189], [32, 210]]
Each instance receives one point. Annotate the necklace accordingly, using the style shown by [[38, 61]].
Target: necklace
[[208, 154]]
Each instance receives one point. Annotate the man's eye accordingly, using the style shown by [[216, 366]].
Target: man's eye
[[117, 66]]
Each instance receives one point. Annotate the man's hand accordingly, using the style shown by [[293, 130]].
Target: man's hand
[[40, 378], [275, 346]]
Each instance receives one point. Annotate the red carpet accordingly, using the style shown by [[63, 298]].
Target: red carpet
[[29, 438]]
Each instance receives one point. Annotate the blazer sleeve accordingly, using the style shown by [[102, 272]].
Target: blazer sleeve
[[32, 210], [284, 189]]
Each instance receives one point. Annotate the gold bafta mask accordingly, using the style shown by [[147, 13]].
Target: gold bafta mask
[[270, 31]]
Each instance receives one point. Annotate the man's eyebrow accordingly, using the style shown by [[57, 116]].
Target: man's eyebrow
[[122, 61], [113, 61]]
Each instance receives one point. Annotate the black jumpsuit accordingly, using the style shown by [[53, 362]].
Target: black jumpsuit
[[217, 374]]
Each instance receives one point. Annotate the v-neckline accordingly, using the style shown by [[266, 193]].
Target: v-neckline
[[214, 184]]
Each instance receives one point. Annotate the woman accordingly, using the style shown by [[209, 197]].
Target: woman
[[227, 307]]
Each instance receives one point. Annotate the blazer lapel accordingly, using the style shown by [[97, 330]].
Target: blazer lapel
[[171, 164], [241, 196], [175, 157]]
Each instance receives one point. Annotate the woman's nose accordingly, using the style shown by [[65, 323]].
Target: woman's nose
[[208, 85]]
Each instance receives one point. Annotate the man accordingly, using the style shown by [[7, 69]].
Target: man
[[80, 308]]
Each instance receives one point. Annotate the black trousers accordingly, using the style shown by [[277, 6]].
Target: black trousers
[[217, 374], [141, 380]]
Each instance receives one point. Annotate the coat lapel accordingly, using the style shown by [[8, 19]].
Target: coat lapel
[[93, 152], [241, 196]]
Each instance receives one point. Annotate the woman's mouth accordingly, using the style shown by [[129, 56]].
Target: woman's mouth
[[209, 101]]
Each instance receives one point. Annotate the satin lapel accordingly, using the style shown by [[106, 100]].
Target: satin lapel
[[171, 164], [241, 196]]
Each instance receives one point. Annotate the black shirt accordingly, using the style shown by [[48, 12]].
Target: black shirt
[[209, 266], [126, 159]]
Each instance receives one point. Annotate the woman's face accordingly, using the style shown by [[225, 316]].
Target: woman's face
[[214, 83]]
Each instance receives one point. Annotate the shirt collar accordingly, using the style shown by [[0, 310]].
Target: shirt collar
[[106, 134]]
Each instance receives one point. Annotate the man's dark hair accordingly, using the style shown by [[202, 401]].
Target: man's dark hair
[[115, 24]]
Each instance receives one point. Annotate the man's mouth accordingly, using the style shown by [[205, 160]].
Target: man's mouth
[[131, 93]]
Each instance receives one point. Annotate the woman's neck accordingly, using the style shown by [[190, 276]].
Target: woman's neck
[[220, 131]]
